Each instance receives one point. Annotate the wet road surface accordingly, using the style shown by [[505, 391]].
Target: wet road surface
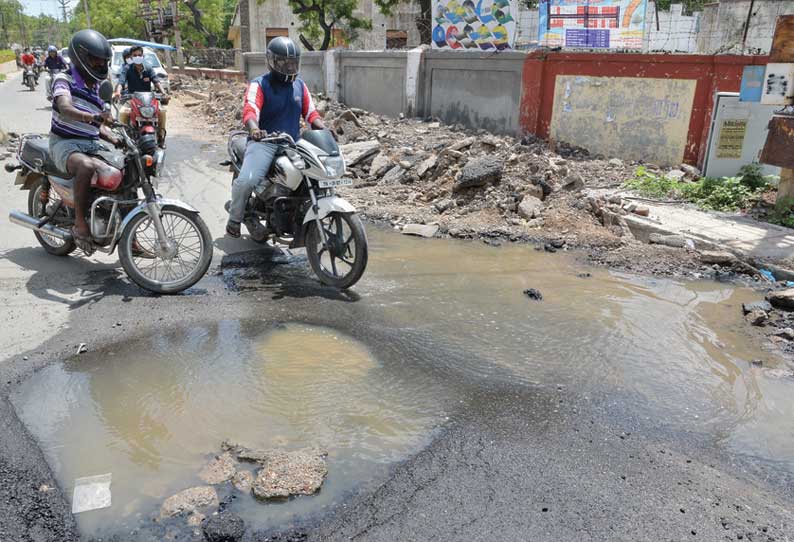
[[618, 408]]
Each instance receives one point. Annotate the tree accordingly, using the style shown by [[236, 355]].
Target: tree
[[689, 5], [112, 18], [319, 19]]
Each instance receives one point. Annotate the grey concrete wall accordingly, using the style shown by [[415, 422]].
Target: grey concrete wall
[[722, 26], [374, 81], [476, 89], [311, 68]]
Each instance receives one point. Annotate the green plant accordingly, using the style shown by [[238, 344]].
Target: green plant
[[651, 185], [783, 214], [6, 55], [717, 194]]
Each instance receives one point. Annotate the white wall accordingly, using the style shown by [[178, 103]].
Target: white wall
[[722, 25], [678, 33]]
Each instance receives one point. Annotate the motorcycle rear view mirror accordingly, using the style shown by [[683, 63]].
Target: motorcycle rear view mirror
[[106, 90]]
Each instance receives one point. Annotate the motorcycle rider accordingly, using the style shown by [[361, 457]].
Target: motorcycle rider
[[274, 102], [79, 120], [138, 77], [28, 61], [54, 61]]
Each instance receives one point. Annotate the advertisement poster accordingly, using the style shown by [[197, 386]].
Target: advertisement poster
[[592, 24], [731, 140], [474, 24]]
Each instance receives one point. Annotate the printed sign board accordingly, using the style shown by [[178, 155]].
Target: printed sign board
[[474, 24], [592, 24], [731, 138]]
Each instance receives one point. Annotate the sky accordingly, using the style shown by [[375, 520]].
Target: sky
[[50, 7]]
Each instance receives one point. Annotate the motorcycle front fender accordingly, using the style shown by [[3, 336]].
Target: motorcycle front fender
[[326, 206], [144, 208]]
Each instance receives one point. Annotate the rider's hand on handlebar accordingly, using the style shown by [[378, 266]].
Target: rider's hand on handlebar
[[256, 134], [104, 118]]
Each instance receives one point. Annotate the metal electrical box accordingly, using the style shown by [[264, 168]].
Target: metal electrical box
[[778, 84], [737, 135]]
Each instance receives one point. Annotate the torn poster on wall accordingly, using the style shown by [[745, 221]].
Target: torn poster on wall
[[474, 24], [592, 24]]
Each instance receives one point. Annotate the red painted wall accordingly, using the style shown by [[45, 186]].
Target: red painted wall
[[713, 73]]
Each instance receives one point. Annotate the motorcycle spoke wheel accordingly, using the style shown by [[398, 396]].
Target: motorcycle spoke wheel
[[166, 273]]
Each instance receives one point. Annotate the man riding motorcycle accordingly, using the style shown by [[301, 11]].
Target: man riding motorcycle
[[54, 61], [274, 102], [139, 78], [28, 61], [79, 120]]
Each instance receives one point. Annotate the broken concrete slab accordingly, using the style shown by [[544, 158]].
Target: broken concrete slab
[[285, 474], [421, 230], [782, 299], [718, 257], [219, 470], [463, 143], [380, 164], [394, 175], [426, 165], [530, 207], [479, 172], [675, 241], [243, 481], [756, 317], [189, 500], [359, 151], [765, 306]]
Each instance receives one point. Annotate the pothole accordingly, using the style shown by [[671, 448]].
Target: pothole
[[154, 412]]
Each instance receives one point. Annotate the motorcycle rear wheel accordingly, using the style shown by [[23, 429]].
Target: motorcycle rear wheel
[[149, 271], [53, 245], [346, 239]]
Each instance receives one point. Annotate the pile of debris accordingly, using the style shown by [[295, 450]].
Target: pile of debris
[[219, 100]]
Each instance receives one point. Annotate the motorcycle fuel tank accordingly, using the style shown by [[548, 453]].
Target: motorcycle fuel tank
[[287, 174]]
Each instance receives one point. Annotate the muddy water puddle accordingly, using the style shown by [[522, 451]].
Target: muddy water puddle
[[428, 314]]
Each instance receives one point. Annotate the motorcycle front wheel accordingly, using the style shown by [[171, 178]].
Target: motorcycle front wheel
[[186, 263], [342, 260]]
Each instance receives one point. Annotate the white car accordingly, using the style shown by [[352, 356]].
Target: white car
[[149, 58]]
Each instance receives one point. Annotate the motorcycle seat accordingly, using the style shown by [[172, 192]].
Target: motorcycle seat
[[36, 152]]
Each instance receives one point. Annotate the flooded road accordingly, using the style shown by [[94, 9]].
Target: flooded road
[[430, 320]]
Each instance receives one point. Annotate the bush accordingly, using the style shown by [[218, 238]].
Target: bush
[[6, 55], [716, 194]]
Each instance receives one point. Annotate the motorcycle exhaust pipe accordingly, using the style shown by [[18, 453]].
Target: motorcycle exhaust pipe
[[26, 221]]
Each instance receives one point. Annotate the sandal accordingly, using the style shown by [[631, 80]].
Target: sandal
[[83, 242]]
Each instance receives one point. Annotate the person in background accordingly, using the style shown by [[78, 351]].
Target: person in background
[[140, 78], [54, 61]]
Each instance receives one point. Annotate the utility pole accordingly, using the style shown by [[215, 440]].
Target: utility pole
[[64, 4], [180, 58], [87, 14]]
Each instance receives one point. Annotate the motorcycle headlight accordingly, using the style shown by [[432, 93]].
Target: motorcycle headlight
[[147, 111], [334, 165]]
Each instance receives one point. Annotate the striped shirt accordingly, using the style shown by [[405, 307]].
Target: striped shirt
[[83, 98]]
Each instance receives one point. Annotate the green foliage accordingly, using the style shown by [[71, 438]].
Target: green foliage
[[689, 5], [717, 194], [651, 185], [783, 214], [112, 18], [319, 18], [6, 55]]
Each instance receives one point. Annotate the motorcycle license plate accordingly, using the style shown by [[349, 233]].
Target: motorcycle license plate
[[332, 183]]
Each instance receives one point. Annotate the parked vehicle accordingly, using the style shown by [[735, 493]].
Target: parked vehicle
[[29, 78], [296, 205], [164, 245]]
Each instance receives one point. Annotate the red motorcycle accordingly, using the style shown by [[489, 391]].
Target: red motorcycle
[[145, 119]]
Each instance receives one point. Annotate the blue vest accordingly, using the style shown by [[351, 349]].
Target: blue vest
[[283, 106]]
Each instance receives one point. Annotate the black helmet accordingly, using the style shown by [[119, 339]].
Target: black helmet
[[90, 52], [125, 54], [284, 59]]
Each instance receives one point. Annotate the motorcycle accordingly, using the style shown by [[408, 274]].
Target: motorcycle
[[48, 82], [144, 116], [295, 204], [29, 78], [164, 245]]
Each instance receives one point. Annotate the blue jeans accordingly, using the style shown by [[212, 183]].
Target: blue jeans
[[256, 165]]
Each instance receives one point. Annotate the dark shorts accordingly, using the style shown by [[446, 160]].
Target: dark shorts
[[61, 148]]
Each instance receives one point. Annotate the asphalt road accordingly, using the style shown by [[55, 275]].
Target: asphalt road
[[514, 463]]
